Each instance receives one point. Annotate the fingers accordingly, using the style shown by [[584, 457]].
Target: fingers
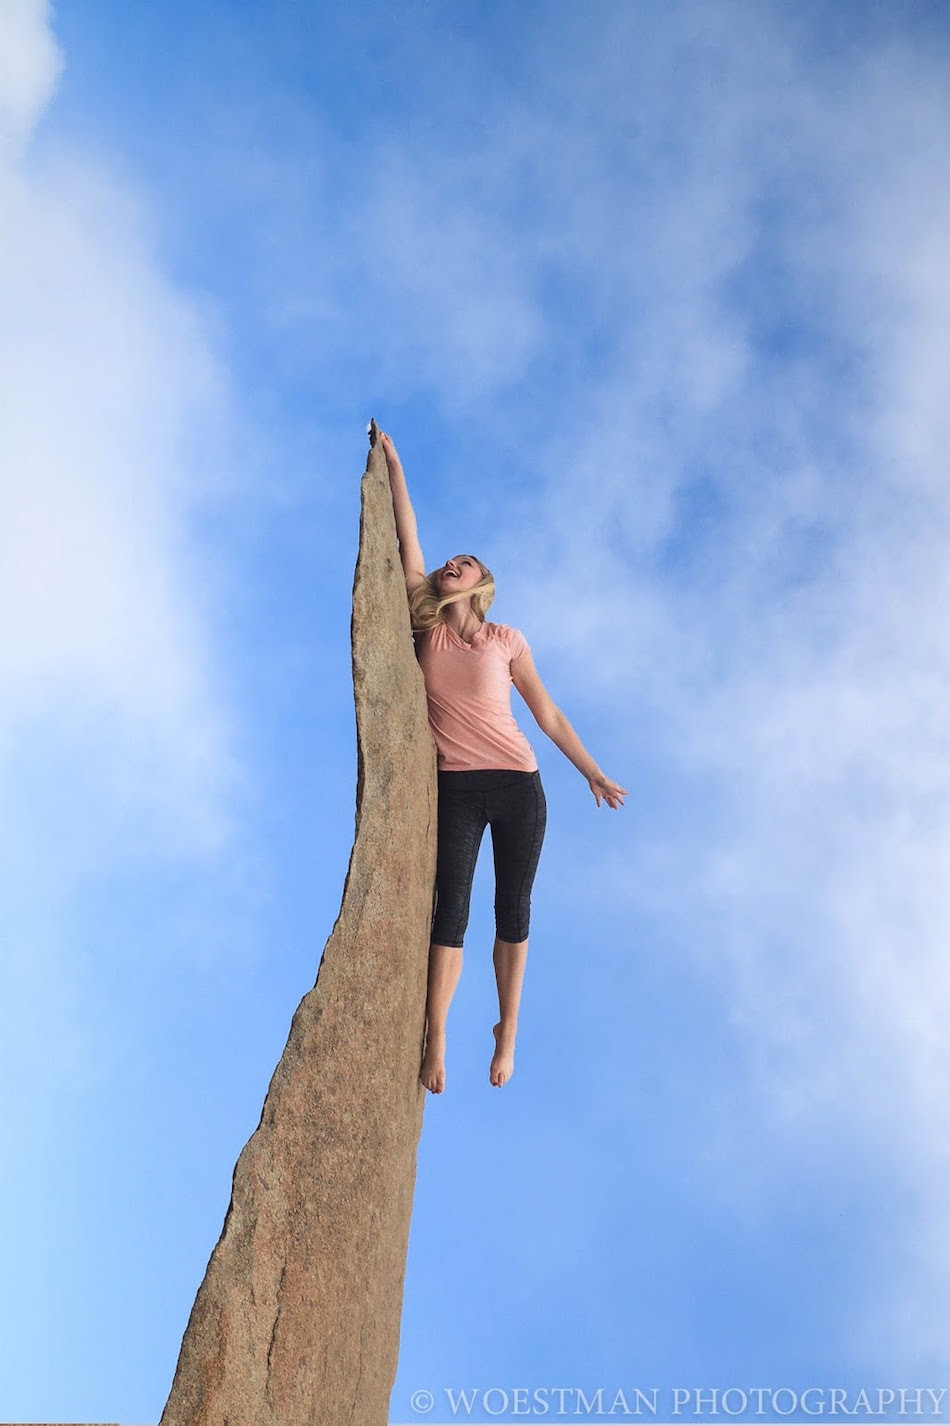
[[605, 790]]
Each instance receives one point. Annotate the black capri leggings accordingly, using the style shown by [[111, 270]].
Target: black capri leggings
[[512, 804]]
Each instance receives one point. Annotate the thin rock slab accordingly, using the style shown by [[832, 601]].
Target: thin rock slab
[[297, 1319]]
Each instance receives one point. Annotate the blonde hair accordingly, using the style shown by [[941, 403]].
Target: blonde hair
[[426, 603]]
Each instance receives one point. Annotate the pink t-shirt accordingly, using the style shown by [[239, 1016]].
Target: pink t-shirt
[[468, 687]]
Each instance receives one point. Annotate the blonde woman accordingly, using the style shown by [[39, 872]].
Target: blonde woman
[[487, 772]]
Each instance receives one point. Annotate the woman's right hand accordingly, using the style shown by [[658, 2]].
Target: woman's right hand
[[389, 450]]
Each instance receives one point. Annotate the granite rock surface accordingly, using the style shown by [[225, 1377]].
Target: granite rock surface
[[297, 1319]]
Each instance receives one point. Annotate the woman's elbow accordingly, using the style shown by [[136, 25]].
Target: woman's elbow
[[550, 720]]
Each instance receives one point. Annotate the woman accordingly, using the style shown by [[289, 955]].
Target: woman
[[487, 773]]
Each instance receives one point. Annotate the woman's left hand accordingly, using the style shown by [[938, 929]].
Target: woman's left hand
[[605, 788]]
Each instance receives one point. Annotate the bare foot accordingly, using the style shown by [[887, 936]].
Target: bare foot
[[432, 1072], [503, 1060]]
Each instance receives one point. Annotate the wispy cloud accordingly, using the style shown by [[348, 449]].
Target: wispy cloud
[[759, 517], [112, 396], [30, 65], [116, 741]]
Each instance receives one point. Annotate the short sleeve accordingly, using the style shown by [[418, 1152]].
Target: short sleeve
[[517, 644]]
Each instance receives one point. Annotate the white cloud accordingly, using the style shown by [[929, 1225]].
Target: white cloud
[[117, 767], [112, 396], [30, 65]]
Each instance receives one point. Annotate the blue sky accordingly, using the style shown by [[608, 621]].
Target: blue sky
[[655, 300]]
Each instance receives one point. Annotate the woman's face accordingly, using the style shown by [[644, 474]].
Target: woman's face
[[462, 572]]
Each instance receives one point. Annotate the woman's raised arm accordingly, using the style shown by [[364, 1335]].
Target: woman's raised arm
[[410, 551]]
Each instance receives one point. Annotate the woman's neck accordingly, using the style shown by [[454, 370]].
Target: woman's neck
[[462, 619]]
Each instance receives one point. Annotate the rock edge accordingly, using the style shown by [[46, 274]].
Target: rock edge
[[297, 1319]]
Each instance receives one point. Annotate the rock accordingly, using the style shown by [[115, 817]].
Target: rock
[[296, 1322]]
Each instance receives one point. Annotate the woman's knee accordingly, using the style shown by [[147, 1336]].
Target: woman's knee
[[512, 926]]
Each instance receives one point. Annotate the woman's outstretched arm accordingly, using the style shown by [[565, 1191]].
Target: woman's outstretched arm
[[552, 721], [410, 551]]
